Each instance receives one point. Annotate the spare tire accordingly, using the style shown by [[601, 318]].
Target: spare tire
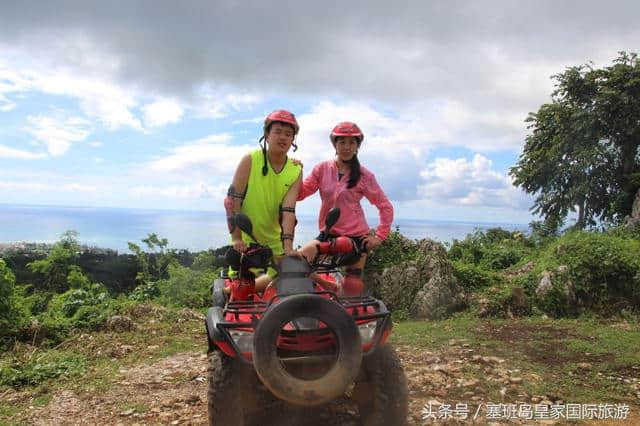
[[273, 373]]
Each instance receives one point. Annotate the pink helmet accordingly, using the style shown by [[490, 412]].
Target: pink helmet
[[347, 128], [282, 116]]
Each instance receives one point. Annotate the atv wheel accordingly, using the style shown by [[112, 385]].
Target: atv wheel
[[381, 389], [307, 391], [224, 402]]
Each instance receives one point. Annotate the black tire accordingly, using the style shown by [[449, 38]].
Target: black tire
[[381, 389], [293, 389], [223, 399]]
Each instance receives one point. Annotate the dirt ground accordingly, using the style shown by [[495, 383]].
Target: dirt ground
[[452, 385], [172, 391]]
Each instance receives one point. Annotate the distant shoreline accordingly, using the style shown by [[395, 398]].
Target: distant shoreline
[[195, 231]]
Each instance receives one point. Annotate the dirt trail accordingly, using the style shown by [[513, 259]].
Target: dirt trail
[[172, 391]]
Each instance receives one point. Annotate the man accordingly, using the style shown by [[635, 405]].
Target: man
[[265, 187]]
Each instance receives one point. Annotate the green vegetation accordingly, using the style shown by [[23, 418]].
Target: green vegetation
[[62, 299], [582, 152]]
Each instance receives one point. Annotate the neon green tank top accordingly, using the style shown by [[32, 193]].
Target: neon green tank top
[[263, 199]]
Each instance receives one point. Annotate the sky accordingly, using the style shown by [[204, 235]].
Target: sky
[[151, 104]]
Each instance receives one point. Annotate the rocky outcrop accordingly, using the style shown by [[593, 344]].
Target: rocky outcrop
[[558, 280], [425, 287], [634, 220]]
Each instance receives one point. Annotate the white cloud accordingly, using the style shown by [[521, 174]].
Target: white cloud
[[162, 112], [215, 103], [6, 105], [58, 133], [8, 152], [470, 183], [95, 144], [211, 155]]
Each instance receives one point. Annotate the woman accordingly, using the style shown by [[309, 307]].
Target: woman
[[342, 183]]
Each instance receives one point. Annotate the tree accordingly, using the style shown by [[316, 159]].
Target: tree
[[55, 267], [153, 265], [582, 152]]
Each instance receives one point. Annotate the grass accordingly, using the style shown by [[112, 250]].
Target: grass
[[574, 358], [90, 363], [435, 334], [532, 346]]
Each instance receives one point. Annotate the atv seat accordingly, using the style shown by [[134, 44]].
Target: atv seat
[[293, 277]]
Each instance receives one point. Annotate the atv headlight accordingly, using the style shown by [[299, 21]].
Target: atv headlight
[[367, 330], [242, 339]]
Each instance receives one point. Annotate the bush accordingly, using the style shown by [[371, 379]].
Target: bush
[[394, 249], [145, 292], [494, 249], [12, 314], [603, 272], [502, 303], [186, 287], [473, 277]]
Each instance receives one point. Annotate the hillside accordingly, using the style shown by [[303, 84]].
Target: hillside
[[156, 373]]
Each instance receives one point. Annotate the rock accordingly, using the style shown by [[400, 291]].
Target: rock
[[559, 279], [515, 380], [426, 287], [119, 323], [585, 366], [483, 307], [524, 269], [492, 360], [634, 220], [518, 298], [128, 412], [544, 286]]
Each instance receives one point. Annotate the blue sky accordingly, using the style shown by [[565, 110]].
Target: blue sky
[[151, 104]]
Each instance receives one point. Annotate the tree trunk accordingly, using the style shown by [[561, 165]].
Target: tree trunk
[[629, 166], [580, 222]]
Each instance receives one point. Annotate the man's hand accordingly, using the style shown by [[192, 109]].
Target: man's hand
[[371, 242], [292, 252], [239, 245]]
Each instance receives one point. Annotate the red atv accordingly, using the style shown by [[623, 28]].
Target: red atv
[[298, 342]]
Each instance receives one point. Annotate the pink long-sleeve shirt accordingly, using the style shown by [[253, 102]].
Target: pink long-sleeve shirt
[[334, 193]]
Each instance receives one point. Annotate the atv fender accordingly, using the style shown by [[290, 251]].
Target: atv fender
[[218, 298], [214, 316], [340, 374]]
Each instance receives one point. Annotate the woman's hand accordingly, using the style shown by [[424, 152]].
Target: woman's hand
[[371, 242], [239, 245], [297, 162]]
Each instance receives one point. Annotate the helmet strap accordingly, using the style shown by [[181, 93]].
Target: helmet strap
[[265, 168]]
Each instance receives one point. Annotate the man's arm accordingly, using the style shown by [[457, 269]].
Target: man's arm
[[233, 201], [289, 217]]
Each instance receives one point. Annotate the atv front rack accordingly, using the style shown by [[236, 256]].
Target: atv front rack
[[245, 315]]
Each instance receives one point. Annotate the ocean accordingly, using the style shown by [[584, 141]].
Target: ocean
[[113, 228]]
